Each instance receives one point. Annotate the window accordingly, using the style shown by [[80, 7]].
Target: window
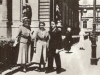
[[84, 24]]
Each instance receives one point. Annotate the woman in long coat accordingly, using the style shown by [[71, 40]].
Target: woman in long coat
[[42, 38], [24, 39]]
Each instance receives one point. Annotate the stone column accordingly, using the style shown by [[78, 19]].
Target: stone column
[[70, 17], [80, 19], [0, 12], [67, 16], [16, 10], [3, 26], [4, 10], [16, 16], [63, 17], [9, 17]]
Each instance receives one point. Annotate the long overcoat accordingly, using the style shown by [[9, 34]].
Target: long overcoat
[[24, 55], [41, 45], [81, 34]]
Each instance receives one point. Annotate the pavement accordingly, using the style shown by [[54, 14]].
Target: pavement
[[77, 62]]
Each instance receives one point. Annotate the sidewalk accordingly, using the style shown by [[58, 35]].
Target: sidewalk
[[77, 62]]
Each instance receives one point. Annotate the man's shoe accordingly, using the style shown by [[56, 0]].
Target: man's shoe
[[46, 71], [49, 71], [58, 71], [39, 69], [24, 70]]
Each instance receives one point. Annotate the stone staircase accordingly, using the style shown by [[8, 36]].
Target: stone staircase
[[44, 11]]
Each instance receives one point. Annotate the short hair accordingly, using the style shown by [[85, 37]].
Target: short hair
[[68, 28], [23, 19], [41, 23], [53, 22]]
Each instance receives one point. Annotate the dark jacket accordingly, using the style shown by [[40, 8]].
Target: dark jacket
[[68, 36], [55, 39], [68, 40]]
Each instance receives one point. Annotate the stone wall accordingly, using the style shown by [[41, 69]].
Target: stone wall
[[11, 30]]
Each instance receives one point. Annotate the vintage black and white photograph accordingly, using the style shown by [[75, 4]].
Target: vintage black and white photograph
[[49, 37]]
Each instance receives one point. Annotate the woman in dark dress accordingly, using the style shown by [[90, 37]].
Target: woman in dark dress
[[68, 39]]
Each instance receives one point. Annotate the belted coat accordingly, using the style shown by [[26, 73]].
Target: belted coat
[[42, 38], [24, 55]]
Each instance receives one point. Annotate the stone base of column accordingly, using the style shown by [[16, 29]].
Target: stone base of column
[[94, 61], [3, 30]]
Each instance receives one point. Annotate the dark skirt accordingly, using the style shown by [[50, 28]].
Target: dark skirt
[[67, 45]]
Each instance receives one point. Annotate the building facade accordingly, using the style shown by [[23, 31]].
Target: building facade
[[86, 15], [65, 11]]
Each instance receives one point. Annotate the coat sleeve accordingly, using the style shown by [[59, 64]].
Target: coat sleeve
[[34, 35], [59, 43], [19, 34], [48, 38], [47, 35]]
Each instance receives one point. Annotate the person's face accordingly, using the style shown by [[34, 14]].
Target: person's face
[[26, 22], [59, 28], [53, 25], [69, 29], [42, 26]]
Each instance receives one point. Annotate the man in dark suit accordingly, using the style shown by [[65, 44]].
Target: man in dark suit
[[54, 48]]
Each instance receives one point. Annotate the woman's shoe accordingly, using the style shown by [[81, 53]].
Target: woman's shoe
[[24, 70], [39, 69]]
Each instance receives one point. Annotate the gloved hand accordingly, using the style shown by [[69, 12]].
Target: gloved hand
[[15, 43]]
